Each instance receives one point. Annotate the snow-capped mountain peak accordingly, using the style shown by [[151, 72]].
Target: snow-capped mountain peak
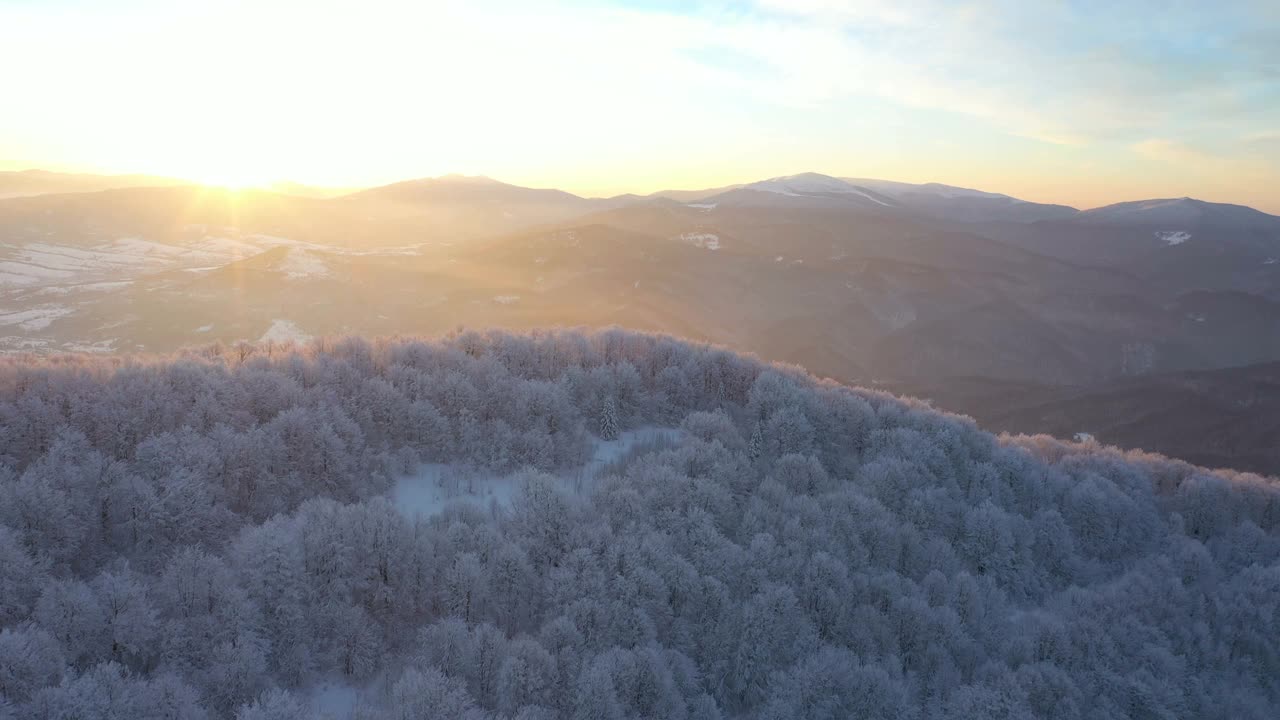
[[803, 184], [1180, 212], [816, 185]]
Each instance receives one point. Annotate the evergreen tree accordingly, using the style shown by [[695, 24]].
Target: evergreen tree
[[609, 419]]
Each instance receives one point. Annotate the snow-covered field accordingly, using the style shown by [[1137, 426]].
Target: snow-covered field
[[1174, 237], [299, 264], [435, 486], [46, 263], [36, 318], [50, 264]]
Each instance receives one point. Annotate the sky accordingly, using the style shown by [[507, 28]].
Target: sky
[[1080, 102]]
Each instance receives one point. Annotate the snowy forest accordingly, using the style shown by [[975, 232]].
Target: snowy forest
[[641, 528]]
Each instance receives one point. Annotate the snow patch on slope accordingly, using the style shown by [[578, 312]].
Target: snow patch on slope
[[1173, 237], [803, 184], [809, 184], [40, 263], [284, 331], [710, 241], [36, 318], [101, 346], [872, 198], [299, 264], [897, 190]]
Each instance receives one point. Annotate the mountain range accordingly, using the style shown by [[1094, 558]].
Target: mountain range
[[912, 287]]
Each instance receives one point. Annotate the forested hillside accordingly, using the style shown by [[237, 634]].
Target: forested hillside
[[218, 534]]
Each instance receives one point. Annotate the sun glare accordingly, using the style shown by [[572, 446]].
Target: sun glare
[[230, 179]]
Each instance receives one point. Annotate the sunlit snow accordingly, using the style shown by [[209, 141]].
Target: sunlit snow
[[298, 264], [36, 318]]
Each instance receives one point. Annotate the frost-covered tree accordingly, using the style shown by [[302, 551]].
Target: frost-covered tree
[[30, 659], [428, 695], [131, 619], [184, 537], [70, 611], [274, 705]]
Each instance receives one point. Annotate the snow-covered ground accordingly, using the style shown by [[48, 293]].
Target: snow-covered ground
[[333, 700], [435, 486], [299, 264], [802, 184], [101, 346], [41, 263], [1174, 237], [710, 241], [608, 452], [36, 318], [49, 263], [18, 344], [82, 287], [284, 331], [809, 184]]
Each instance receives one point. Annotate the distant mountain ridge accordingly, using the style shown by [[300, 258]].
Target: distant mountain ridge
[[23, 183], [807, 189], [1180, 211], [876, 281]]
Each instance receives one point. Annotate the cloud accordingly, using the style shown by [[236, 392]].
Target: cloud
[[1172, 151], [1062, 72], [507, 87]]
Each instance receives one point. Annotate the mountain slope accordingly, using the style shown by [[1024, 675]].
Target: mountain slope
[[1184, 212], [26, 183], [1176, 246], [956, 204], [804, 190], [805, 269], [611, 524], [1216, 418], [473, 206]]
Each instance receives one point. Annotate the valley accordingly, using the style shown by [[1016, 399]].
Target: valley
[[870, 282]]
